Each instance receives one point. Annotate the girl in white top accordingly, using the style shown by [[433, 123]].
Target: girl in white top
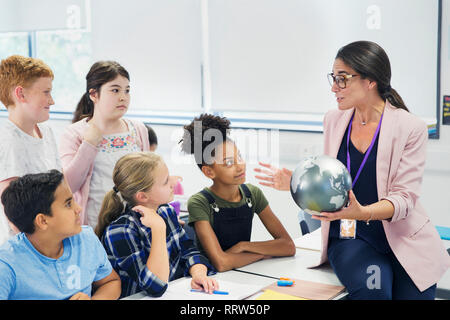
[[99, 136], [26, 144]]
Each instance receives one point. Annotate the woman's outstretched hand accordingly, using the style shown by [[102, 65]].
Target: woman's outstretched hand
[[279, 179]]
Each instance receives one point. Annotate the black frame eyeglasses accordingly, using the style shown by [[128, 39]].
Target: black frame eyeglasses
[[340, 79]]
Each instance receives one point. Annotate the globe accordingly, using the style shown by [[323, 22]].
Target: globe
[[320, 183]]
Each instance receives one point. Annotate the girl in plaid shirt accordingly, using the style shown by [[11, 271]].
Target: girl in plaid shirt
[[142, 237]]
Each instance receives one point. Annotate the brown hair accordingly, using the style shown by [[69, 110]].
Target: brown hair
[[20, 71], [132, 174], [371, 62], [100, 73]]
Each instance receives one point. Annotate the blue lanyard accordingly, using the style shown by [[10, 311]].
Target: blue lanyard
[[366, 156]]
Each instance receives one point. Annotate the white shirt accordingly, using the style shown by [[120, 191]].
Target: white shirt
[[22, 154], [111, 149]]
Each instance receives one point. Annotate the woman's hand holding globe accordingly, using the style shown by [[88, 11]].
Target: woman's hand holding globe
[[321, 186], [354, 210]]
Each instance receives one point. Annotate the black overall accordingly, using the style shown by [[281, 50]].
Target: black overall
[[232, 225]]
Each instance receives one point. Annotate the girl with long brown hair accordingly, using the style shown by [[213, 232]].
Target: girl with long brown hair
[[99, 136]]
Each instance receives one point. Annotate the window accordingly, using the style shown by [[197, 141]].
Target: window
[[261, 63], [56, 31], [68, 53], [13, 43]]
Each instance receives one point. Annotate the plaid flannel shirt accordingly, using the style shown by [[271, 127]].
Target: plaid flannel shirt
[[127, 242]]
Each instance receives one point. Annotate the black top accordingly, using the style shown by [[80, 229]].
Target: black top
[[366, 193]]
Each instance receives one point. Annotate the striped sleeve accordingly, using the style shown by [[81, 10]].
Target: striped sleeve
[[128, 255]]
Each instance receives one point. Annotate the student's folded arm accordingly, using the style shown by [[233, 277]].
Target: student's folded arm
[[199, 210], [77, 157], [106, 283], [108, 288], [222, 260], [124, 244], [281, 245]]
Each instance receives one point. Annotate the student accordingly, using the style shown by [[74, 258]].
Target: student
[[152, 138], [222, 214], [141, 233], [99, 136], [178, 188], [53, 257], [27, 145]]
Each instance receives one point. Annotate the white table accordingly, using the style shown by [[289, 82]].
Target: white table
[[230, 276], [259, 273], [291, 267], [295, 267]]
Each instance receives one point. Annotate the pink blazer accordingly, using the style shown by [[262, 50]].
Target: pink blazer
[[400, 166], [77, 157]]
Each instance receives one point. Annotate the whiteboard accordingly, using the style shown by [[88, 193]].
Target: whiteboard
[[159, 43], [273, 56], [263, 57], [28, 15]]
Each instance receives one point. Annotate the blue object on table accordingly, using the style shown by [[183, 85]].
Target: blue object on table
[[214, 292], [444, 232], [285, 283]]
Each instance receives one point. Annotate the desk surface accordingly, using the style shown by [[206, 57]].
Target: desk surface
[[295, 267], [231, 276], [291, 267]]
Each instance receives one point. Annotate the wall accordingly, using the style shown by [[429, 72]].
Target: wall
[[294, 145]]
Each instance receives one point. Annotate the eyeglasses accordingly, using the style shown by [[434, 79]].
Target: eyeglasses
[[340, 79]]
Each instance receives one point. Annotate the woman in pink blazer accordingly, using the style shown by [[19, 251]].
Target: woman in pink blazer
[[395, 251]]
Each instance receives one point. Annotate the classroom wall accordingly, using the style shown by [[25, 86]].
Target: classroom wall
[[294, 145]]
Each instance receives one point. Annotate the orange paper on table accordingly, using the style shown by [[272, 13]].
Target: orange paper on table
[[308, 290]]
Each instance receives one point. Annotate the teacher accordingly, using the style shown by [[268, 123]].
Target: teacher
[[395, 251]]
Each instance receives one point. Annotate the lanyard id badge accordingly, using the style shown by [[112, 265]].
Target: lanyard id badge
[[347, 229]]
